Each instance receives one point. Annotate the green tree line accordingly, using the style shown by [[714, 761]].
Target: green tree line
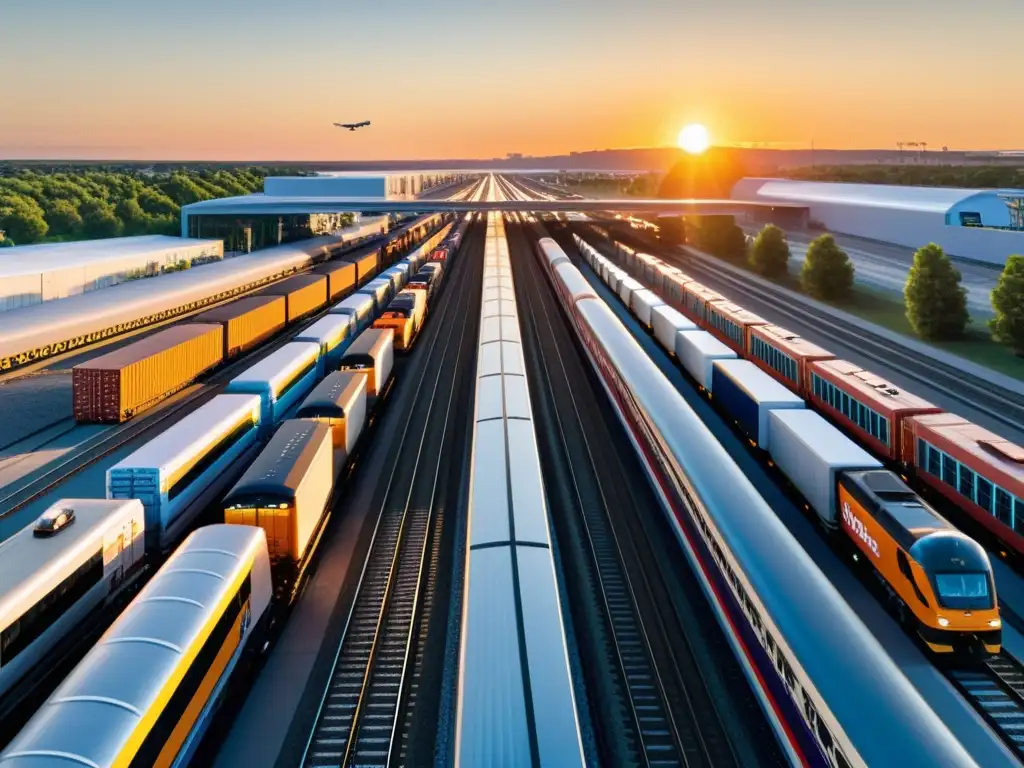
[[970, 176], [53, 205]]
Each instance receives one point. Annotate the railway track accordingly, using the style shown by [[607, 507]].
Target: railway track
[[366, 711], [996, 690], [655, 706]]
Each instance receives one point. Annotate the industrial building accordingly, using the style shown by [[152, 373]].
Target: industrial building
[[984, 225], [296, 207], [32, 274]]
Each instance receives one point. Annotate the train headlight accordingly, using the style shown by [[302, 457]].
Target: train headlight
[[995, 623], [943, 622]]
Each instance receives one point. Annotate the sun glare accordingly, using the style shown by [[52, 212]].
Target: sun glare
[[694, 139]]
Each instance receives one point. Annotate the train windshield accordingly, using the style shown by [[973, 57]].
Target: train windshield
[[964, 591]]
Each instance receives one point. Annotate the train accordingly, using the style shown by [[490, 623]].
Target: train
[[83, 555], [910, 547], [776, 607], [120, 385], [954, 463]]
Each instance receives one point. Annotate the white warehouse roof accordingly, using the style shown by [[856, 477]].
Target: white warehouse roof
[[32, 274], [902, 215]]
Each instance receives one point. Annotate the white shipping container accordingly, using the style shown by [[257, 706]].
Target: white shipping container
[[667, 322], [313, 491], [810, 452], [643, 303], [627, 287], [697, 352]]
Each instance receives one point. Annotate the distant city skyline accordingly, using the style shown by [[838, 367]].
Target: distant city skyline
[[256, 80]]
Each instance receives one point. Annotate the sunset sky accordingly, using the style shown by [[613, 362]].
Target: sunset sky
[[234, 80]]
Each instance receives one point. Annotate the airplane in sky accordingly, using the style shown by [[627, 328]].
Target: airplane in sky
[[352, 126]]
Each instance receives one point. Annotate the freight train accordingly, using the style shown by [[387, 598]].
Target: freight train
[[951, 460], [777, 609], [116, 387], [939, 580], [84, 555]]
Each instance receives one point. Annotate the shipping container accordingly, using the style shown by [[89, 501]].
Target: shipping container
[[784, 355], [643, 303], [286, 489], [380, 290], [675, 289], [695, 299], [646, 267], [360, 306], [400, 317], [372, 353], [397, 276], [697, 352], [977, 470], [121, 384], [367, 265], [181, 469], [627, 287], [667, 322], [247, 321], [870, 407], [340, 402], [334, 333], [730, 323], [811, 452], [303, 293], [749, 395], [341, 278], [281, 379]]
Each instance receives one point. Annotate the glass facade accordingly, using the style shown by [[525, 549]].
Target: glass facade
[[725, 326], [775, 359], [976, 488], [868, 419], [244, 234]]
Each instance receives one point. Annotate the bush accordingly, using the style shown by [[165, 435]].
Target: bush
[[719, 236], [1008, 302], [827, 272], [769, 255], [935, 301]]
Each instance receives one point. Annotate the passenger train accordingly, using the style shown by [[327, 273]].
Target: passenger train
[[939, 580], [170, 664], [951, 460], [777, 609]]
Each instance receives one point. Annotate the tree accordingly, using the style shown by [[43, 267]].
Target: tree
[[22, 219], [156, 203], [719, 236], [1008, 302], [769, 255], [99, 220], [936, 303], [136, 221], [63, 218], [827, 272]]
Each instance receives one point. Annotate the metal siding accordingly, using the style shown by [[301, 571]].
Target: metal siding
[[554, 707], [492, 726], [488, 503]]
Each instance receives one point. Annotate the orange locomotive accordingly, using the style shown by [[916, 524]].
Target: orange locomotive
[[404, 315], [940, 579]]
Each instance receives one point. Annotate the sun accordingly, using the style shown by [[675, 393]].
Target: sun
[[694, 138]]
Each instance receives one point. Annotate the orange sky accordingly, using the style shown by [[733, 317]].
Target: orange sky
[[234, 80]]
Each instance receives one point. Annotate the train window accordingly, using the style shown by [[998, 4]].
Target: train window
[[27, 628], [883, 430], [984, 492], [934, 463], [949, 470], [965, 591], [1018, 516], [1004, 507], [967, 482]]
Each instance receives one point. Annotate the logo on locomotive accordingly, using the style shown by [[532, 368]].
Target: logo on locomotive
[[857, 528]]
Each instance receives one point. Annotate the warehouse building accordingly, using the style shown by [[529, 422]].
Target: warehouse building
[[985, 225], [32, 274], [297, 207]]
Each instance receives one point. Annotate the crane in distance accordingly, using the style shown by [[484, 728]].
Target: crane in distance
[[352, 126]]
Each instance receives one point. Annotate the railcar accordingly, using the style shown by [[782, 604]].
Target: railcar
[[380, 290], [180, 469], [372, 354], [360, 306], [334, 333], [303, 294], [731, 323], [747, 395], [784, 355], [339, 401], [667, 323], [146, 693], [405, 316], [50, 585], [281, 380]]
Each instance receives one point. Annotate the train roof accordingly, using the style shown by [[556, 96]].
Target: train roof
[[97, 711], [294, 283], [27, 561], [736, 313], [880, 491], [335, 266], [327, 329], [150, 345], [756, 383], [236, 308], [708, 345], [791, 343], [334, 395], [280, 365], [824, 440], [355, 303], [283, 463], [180, 444], [370, 341], [574, 281], [1003, 460], [872, 387]]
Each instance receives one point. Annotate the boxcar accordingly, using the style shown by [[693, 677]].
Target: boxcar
[[372, 354], [340, 402], [247, 321], [281, 379]]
